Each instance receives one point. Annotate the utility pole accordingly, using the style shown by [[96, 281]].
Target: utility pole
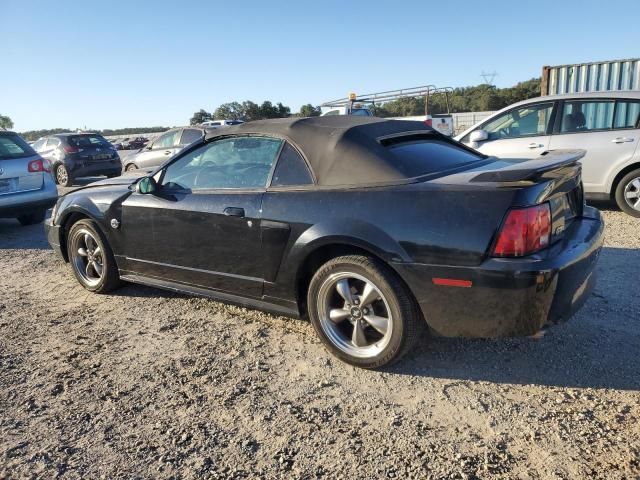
[[489, 77]]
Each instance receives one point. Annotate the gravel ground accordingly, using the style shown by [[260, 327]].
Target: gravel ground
[[148, 384]]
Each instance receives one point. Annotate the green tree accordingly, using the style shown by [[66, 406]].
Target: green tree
[[200, 117], [232, 111], [251, 111], [6, 122], [309, 110]]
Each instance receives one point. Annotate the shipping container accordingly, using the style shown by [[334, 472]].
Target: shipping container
[[591, 77]]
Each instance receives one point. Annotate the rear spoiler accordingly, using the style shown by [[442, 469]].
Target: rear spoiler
[[531, 170]]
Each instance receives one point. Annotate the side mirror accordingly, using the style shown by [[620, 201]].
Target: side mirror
[[479, 136], [146, 185]]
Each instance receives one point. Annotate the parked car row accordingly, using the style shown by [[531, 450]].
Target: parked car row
[[128, 143]]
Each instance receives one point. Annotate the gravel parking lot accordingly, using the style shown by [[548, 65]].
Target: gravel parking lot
[[144, 383]]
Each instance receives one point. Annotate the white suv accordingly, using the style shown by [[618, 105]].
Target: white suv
[[605, 124]]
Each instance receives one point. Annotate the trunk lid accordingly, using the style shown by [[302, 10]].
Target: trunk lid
[[554, 177], [15, 176]]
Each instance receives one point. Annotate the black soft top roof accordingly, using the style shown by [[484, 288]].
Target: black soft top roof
[[341, 149]]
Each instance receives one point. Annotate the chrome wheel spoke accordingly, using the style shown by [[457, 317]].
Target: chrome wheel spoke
[[636, 184], [369, 295], [97, 251], [337, 315], [97, 268], [379, 323], [632, 194], [82, 252], [637, 205], [358, 338], [344, 290], [88, 241], [87, 269]]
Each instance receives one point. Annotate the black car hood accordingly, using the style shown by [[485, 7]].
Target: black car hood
[[124, 180]]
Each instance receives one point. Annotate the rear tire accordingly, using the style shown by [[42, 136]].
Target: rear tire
[[32, 218], [628, 193], [362, 311], [91, 257], [131, 167], [62, 176]]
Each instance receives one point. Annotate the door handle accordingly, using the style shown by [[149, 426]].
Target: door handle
[[535, 145], [234, 212], [167, 152], [621, 140]]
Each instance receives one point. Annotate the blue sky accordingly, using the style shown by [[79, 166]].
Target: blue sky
[[132, 63]]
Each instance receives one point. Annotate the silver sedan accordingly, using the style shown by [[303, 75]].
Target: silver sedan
[[27, 188]]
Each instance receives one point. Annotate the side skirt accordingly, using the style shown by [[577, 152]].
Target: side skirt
[[253, 303]]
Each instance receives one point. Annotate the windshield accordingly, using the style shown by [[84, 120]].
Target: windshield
[[85, 141], [13, 146]]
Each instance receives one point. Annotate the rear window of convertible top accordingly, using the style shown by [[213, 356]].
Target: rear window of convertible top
[[418, 155]]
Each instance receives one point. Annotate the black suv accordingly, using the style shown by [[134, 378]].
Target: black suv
[[74, 155]]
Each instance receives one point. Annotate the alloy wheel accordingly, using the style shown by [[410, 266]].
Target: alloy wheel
[[61, 175], [632, 193], [88, 258], [354, 314]]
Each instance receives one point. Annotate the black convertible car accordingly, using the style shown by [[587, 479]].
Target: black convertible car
[[371, 228]]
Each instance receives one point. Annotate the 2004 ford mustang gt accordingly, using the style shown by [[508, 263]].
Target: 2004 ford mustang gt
[[372, 228]]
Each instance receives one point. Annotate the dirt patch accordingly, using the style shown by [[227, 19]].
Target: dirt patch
[[147, 384]]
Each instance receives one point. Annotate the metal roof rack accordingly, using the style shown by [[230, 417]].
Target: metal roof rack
[[424, 91]]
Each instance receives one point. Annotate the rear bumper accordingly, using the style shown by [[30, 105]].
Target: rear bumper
[[512, 297], [24, 203], [91, 169]]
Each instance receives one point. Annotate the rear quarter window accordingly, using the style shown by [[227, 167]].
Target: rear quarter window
[[419, 155]]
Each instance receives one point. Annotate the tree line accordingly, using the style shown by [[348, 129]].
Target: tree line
[[479, 98]]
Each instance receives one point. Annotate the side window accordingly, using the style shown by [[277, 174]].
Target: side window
[[235, 162], [581, 116], [37, 146], [332, 112], [167, 140], [52, 143], [520, 122], [291, 169], [627, 114], [190, 135]]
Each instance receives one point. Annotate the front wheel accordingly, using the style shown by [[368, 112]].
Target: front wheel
[[91, 258], [131, 167], [628, 193], [362, 312]]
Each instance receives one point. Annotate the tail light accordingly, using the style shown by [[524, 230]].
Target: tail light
[[524, 231], [39, 165], [429, 122], [70, 149]]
